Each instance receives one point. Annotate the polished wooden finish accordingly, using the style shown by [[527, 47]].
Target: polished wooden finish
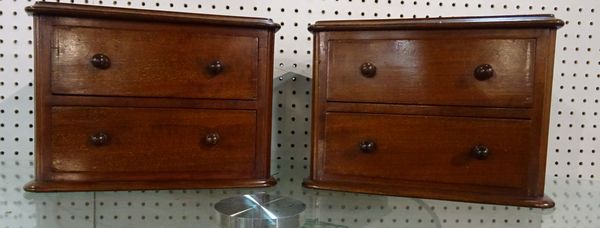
[[484, 22], [442, 108], [425, 148], [412, 70], [112, 13], [167, 140], [136, 99], [162, 60]]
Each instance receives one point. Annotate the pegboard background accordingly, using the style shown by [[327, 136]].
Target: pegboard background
[[574, 140]]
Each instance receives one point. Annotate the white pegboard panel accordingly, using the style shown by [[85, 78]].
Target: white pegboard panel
[[573, 150]]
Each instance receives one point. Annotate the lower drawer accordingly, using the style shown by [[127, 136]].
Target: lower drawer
[[151, 143], [377, 148]]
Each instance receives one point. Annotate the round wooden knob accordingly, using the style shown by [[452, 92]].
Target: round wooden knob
[[480, 152], [100, 61], [215, 68], [212, 139], [368, 69], [99, 139], [367, 146], [483, 72]]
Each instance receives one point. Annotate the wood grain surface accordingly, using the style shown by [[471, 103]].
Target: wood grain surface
[[145, 143], [426, 148], [154, 60], [125, 99], [427, 71], [442, 108]]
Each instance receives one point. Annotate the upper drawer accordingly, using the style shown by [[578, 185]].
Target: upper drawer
[[203, 144], [432, 71], [154, 60]]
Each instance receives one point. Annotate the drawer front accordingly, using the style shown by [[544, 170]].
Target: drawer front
[[442, 150], [180, 62], [432, 71], [205, 144]]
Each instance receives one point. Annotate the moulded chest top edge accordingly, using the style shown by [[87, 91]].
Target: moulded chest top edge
[[78, 10], [508, 21]]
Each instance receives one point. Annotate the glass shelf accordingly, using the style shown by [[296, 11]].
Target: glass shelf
[[577, 205]]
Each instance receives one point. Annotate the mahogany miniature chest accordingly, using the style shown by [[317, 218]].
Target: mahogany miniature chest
[[443, 108], [136, 99]]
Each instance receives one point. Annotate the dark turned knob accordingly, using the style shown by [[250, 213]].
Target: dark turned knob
[[368, 69], [215, 68], [212, 139], [100, 61], [480, 152], [99, 139], [367, 146], [483, 72]]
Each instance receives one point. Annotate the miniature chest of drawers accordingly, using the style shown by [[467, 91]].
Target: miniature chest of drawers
[[445, 108], [136, 99]]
